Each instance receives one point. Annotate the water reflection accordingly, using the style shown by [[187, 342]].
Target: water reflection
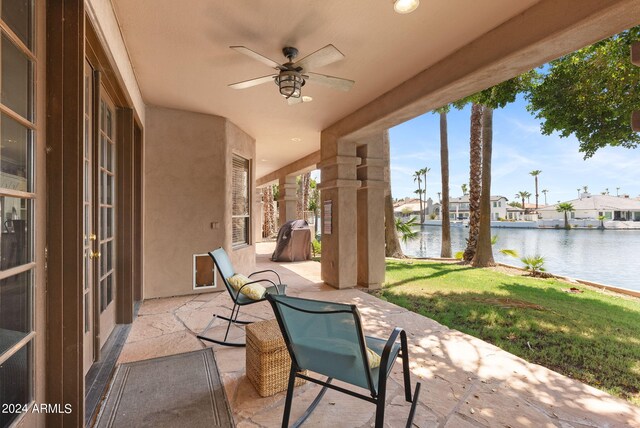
[[605, 256]]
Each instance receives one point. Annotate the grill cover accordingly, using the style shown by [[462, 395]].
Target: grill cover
[[294, 242]]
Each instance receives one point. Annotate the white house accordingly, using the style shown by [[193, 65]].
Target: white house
[[459, 207], [529, 213], [411, 208], [592, 206]]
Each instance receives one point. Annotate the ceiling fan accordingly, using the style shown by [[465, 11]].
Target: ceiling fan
[[292, 76]]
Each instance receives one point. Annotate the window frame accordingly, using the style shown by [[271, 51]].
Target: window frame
[[247, 216], [29, 122]]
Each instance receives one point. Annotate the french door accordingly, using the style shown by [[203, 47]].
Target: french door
[[99, 209]]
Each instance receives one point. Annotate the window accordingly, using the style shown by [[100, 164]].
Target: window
[[240, 199], [17, 132]]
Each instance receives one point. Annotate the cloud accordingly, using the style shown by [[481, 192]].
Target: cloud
[[404, 170], [425, 155], [532, 127]]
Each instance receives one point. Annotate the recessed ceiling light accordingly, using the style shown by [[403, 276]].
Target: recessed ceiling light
[[306, 98], [264, 160], [296, 139], [405, 6]]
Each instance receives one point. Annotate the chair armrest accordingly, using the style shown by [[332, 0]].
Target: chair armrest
[[268, 270], [384, 358]]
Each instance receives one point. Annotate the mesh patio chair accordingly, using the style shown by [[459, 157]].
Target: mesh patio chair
[[327, 338], [224, 266]]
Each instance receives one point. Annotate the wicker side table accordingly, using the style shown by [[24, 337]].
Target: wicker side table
[[267, 359]]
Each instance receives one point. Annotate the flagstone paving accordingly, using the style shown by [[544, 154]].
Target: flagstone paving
[[466, 382]]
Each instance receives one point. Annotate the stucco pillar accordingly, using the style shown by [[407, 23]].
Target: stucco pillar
[[339, 227], [258, 217], [287, 199], [370, 213]]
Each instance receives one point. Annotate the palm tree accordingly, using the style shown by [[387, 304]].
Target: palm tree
[[579, 193], [269, 221], [445, 247], [425, 171], [419, 192], [475, 180], [464, 188], [528, 197], [392, 243], [304, 189], [484, 249], [606, 190], [617, 191], [565, 207], [545, 191], [523, 195], [535, 173], [585, 188], [417, 176]]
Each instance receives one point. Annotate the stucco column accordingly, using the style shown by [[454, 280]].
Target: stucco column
[[339, 191], [370, 213], [258, 216], [287, 199]]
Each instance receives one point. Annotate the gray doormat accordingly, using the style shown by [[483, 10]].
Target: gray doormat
[[182, 390]]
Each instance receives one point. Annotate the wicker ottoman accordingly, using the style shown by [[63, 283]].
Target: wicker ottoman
[[268, 362]]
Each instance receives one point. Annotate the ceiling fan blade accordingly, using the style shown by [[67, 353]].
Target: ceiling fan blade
[[319, 58], [330, 81], [252, 82], [255, 55]]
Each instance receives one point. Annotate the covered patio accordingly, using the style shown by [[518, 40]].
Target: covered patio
[[466, 381], [129, 154]]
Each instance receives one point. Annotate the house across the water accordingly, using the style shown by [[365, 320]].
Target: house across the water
[[590, 207]]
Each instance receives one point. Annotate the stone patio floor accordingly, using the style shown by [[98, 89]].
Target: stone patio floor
[[466, 382]]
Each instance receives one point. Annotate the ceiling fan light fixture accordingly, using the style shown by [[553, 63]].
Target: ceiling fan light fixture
[[405, 6], [290, 83]]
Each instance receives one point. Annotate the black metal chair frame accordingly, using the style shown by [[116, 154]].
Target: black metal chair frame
[[377, 397], [235, 311]]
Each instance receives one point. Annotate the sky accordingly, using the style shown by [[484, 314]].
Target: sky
[[518, 148]]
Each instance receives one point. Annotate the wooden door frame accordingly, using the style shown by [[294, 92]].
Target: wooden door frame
[[125, 223], [65, 125], [70, 40], [138, 209]]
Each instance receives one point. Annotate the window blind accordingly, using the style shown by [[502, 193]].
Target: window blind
[[240, 200]]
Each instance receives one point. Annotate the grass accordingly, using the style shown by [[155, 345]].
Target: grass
[[592, 336]]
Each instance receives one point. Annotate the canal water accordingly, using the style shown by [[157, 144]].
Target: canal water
[[606, 256]]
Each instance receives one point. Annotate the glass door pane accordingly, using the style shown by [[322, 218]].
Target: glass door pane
[[107, 200], [88, 230]]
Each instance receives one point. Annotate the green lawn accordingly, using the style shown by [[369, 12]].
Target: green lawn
[[592, 336]]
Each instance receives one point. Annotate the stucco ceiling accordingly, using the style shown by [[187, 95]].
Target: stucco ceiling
[[181, 57]]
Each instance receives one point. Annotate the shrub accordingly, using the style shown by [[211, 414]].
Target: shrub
[[508, 252], [316, 247], [534, 264], [404, 228]]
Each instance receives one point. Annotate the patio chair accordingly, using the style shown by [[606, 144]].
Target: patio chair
[[224, 266], [327, 338]]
